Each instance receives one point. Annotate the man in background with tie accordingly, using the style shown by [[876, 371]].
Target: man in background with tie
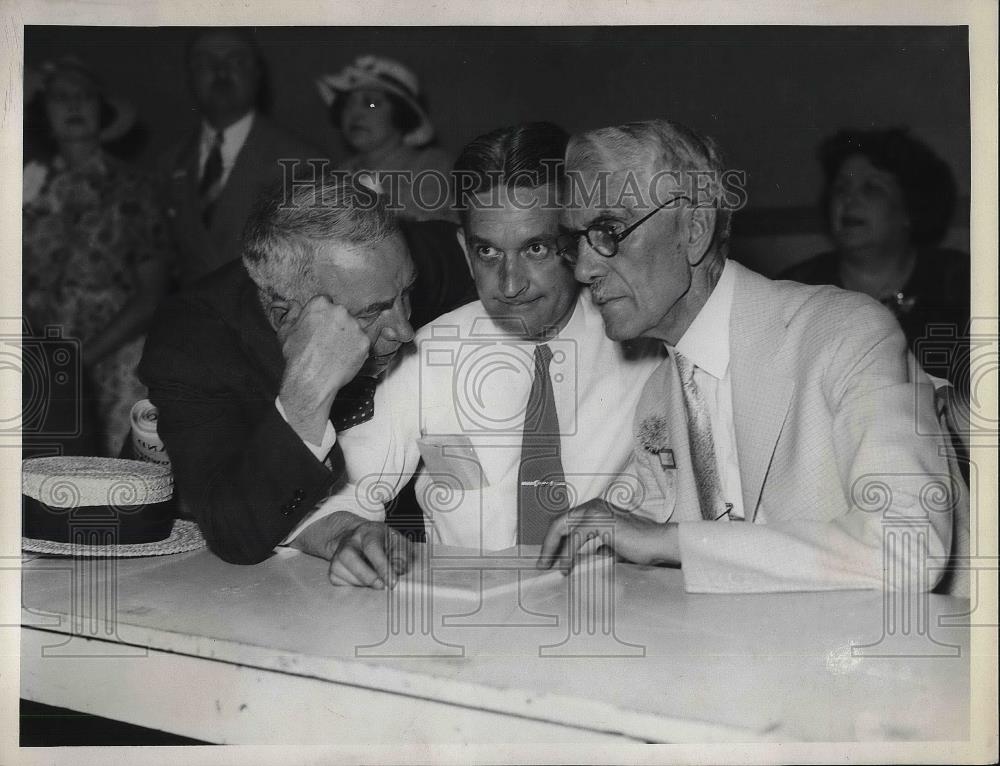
[[787, 429], [517, 404], [213, 175]]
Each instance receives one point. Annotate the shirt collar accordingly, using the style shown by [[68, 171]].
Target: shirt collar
[[706, 341], [233, 137]]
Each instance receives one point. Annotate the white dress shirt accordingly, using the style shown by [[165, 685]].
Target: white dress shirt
[[706, 344], [233, 139], [462, 391]]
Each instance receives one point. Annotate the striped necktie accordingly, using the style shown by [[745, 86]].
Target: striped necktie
[[540, 479], [706, 471]]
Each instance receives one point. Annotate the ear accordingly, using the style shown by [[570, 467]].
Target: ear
[[460, 236], [700, 232], [281, 314]]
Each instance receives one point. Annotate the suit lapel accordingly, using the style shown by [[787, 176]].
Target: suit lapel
[[761, 382], [242, 183]]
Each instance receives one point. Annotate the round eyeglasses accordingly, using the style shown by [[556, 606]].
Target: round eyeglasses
[[602, 237]]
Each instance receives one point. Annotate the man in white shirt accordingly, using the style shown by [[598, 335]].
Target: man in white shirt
[[518, 403], [779, 442]]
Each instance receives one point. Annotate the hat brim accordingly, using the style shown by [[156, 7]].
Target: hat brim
[[123, 114], [185, 536], [331, 87]]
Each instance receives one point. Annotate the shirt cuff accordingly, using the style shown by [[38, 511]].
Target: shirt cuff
[[319, 450], [344, 500]]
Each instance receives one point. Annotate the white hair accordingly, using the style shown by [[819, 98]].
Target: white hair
[[659, 145], [287, 226]]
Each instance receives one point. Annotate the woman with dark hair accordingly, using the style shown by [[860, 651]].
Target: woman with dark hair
[[377, 105], [888, 200], [94, 243]]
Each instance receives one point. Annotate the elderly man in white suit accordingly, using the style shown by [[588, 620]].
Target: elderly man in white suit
[[788, 435]]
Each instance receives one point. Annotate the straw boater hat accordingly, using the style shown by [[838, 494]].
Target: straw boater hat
[[387, 75], [93, 506], [121, 114]]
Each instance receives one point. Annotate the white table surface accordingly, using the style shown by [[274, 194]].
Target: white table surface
[[269, 653]]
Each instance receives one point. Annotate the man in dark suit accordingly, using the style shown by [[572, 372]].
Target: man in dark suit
[[256, 369], [212, 176]]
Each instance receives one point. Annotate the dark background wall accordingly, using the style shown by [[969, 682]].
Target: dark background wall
[[768, 94]]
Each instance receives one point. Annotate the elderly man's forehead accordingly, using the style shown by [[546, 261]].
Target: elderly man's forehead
[[348, 256], [611, 188]]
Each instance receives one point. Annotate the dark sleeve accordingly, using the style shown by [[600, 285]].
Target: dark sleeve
[[241, 469], [444, 282]]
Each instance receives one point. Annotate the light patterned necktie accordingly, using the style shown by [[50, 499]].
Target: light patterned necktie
[[706, 471], [540, 479]]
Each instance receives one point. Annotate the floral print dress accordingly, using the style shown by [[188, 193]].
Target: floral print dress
[[85, 230]]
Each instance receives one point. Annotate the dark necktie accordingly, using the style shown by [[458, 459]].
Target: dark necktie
[[706, 471], [355, 403], [541, 482], [211, 175]]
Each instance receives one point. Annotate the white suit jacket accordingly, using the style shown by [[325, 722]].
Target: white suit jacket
[[838, 443]]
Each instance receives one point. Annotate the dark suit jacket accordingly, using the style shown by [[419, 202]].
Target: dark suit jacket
[[213, 366], [200, 250]]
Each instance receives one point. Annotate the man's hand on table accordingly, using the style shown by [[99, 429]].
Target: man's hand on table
[[324, 348], [362, 553], [630, 537]]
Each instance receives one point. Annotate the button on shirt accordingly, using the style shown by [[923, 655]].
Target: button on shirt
[[233, 139], [706, 344]]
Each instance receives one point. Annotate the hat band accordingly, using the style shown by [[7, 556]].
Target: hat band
[[398, 84], [82, 524]]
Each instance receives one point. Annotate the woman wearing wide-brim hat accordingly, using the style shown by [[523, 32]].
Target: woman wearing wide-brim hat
[[377, 105], [95, 248]]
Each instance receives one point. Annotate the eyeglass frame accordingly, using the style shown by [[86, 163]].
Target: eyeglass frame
[[617, 238]]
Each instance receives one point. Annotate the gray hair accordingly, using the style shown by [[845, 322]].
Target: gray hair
[[660, 145], [287, 226]]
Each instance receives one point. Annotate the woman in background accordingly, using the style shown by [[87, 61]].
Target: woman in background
[[94, 243], [377, 105], [888, 200]]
